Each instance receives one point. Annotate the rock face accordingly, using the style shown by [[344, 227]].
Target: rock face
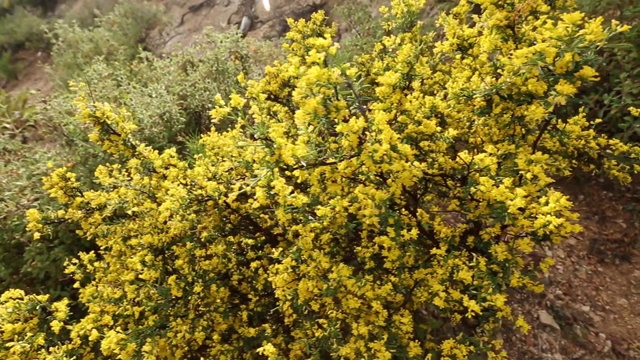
[[273, 23], [267, 17]]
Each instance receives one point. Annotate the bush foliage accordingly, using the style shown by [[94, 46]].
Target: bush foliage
[[35, 267], [365, 30], [171, 98], [377, 209], [118, 36], [619, 65], [9, 6], [30, 141], [21, 28]]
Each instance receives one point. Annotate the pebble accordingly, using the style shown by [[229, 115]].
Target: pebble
[[579, 354], [623, 302], [577, 330], [582, 273], [547, 319]]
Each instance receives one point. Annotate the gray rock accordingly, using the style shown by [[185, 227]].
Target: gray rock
[[245, 25], [547, 319]]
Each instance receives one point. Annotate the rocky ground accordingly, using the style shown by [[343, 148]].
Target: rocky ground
[[186, 20], [591, 308], [267, 18]]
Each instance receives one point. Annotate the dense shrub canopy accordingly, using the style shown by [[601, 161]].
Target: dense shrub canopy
[[170, 99], [117, 37], [619, 64], [375, 210]]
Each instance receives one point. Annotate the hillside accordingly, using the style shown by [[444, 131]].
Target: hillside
[[590, 308]]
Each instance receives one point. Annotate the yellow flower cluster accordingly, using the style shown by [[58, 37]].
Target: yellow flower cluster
[[29, 324], [374, 210], [112, 130]]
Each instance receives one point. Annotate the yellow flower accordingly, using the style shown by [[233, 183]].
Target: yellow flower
[[268, 350], [522, 324], [56, 326], [61, 309], [615, 25], [546, 264], [574, 18], [565, 88], [587, 73]]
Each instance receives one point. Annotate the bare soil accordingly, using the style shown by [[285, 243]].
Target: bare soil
[[33, 76], [593, 292]]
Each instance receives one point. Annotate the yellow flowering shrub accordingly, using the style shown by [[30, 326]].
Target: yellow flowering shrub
[[29, 324], [380, 209]]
